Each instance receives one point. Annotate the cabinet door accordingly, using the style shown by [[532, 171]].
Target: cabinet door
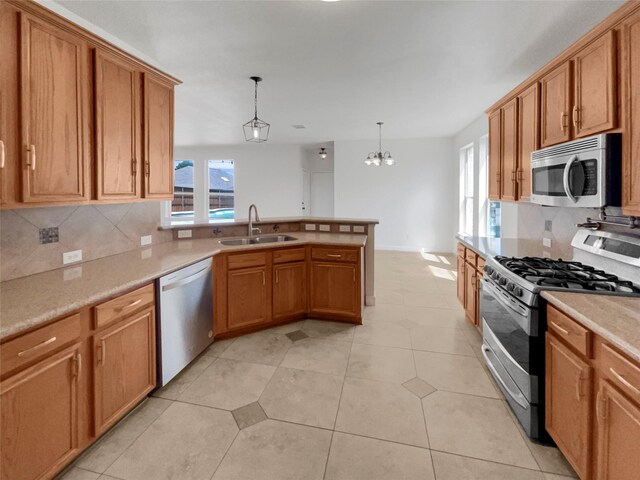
[[470, 294], [460, 281], [594, 107], [9, 110], [158, 138], [334, 288], [555, 104], [125, 367], [495, 155], [247, 297], [618, 435], [117, 87], [509, 164], [289, 293], [54, 84], [528, 137], [568, 387], [39, 417], [630, 72]]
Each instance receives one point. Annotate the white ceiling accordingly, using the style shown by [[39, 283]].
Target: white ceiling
[[425, 68]]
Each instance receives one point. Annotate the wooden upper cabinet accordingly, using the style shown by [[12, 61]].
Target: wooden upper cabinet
[[555, 105], [124, 371], [39, 413], [54, 84], [289, 292], [509, 150], [594, 108], [630, 100], [158, 138], [568, 392], [248, 297], [528, 136], [618, 435], [495, 154], [118, 127]]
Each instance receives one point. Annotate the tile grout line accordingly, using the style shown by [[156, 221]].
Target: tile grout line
[[424, 417]]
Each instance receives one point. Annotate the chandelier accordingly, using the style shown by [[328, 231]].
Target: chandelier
[[256, 130], [378, 158]]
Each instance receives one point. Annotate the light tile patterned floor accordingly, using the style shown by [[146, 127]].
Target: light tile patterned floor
[[405, 396]]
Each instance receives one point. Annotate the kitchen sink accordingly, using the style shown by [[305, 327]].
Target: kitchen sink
[[258, 240]]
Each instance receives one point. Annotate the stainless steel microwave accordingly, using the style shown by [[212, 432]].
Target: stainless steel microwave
[[581, 173]]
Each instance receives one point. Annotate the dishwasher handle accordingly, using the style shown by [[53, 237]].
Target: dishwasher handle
[[186, 280]]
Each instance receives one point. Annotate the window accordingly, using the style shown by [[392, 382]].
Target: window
[[466, 190], [202, 191]]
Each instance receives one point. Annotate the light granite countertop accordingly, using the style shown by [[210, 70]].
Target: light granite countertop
[[614, 318], [177, 224], [30, 301], [514, 247]]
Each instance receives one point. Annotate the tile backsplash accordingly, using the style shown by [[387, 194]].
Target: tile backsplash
[[97, 230]]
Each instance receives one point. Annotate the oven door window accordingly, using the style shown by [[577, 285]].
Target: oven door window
[[502, 323], [583, 179]]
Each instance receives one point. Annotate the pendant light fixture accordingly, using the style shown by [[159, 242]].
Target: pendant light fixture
[[322, 153], [378, 158], [256, 130]]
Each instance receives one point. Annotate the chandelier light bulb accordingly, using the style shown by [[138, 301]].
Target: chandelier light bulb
[[378, 158]]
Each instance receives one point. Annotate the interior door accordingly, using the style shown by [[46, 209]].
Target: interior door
[[555, 105], [528, 137], [54, 88]]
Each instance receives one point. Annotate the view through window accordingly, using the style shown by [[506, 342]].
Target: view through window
[[183, 189], [221, 195]]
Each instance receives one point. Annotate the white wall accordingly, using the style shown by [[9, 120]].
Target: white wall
[[415, 200], [268, 175]]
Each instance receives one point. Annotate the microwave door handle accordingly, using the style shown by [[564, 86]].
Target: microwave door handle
[[565, 179]]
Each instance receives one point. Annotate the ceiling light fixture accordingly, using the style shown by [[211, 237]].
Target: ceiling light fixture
[[378, 158], [256, 130], [322, 153]]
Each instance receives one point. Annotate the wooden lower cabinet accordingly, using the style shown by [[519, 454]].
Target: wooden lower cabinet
[[248, 297], [471, 294], [618, 435], [470, 266], [40, 416], [568, 403], [334, 289], [460, 286], [289, 292], [125, 367]]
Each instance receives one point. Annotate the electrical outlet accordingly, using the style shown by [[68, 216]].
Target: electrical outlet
[[146, 240], [72, 257], [546, 242], [548, 225], [48, 235], [358, 228], [345, 228], [325, 228], [184, 233], [309, 226]]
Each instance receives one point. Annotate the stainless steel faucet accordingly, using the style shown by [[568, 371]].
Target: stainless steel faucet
[[251, 229]]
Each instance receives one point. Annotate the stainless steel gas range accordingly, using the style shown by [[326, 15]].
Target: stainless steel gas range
[[514, 314]]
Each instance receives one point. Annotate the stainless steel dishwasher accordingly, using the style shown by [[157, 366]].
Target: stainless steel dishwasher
[[185, 318]]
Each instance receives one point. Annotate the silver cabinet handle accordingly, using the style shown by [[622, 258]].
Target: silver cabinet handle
[[624, 381], [558, 327], [334, 255], [565, 179], [79, 363], [37, 347], [32, 157], [132, 304], [2, 154]]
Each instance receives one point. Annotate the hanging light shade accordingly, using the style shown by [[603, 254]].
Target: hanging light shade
[[256, 130], [378, 158], [322, 153]]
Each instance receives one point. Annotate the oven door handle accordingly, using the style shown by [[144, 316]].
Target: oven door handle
[[498, 296], [518, 397], [565, 179]]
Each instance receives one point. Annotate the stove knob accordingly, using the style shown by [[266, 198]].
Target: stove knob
[[502, 281], [488, 269], [510, 287], [517, 291]]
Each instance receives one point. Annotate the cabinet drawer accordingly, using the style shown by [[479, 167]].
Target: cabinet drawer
[[34, 345], [115, 309], [290, 255], [461, 250], [244, 260], [621, 372], [334, 254], [569, 331], [470, 256]]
